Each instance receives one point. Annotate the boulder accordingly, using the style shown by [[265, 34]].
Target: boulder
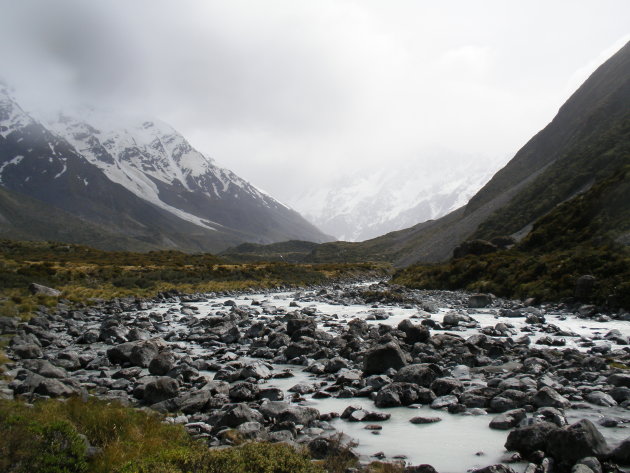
[[584, 287], [619, 380], [421, 374], [143, 353], [526, 440], [162, 363], [508, 419], [160, 390], [27, 351], [244, 392], [414, 333], [592, 463], [477, 301], [403, 394], [45, 368], [296, 324], [236, 414], [256, 370], [39, 290], [306, 346], [383, 357], [600, 398], [549, 397], [499, 468], [444, 386], [574, 442], [282, 411], [37, 384], [8, 325], [621, 454]]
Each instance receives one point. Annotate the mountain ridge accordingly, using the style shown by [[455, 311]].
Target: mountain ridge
[[587, 141], [152, 187]]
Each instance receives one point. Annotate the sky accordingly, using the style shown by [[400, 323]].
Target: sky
[[292, 94]]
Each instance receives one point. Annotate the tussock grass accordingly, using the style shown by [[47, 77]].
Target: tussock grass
[[83, 274], [47, 437]]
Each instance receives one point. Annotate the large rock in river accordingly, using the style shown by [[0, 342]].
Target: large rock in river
[[526, 440], [579, 440], [421, 374], [383, 357]]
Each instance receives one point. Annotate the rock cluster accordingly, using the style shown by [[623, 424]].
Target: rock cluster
[[211, 368]]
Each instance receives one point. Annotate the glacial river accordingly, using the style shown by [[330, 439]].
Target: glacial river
[[457, 443]]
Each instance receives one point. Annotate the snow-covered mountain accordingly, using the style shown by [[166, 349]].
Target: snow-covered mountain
[[364, 206], [139, 177]]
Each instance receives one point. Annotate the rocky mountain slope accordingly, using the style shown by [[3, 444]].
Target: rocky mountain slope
[[587, 142], [140, 180]]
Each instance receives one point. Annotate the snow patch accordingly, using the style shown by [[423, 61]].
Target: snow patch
[[12, 162]]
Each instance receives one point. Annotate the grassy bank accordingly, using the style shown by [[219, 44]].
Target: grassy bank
[[83, 274], [546, 277], [77, 436], [53, 436]]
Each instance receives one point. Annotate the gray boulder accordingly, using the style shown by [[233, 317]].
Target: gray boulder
[[477, 301], [383, 357], [27, 351], [236, 414], [37, 384], [160, 390], [549, 397], [421, 374], [508, 419], [162, 363], [619, 379], [601, 399], [526, 440], [45, 368], [499, 468], [39, 290], [577, 441], [403, 394], [621, 454]]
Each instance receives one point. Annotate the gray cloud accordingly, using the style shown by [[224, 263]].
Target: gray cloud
[[292, 93]]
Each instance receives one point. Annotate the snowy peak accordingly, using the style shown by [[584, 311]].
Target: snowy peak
[[12, 117], [360, 207], [83, 161]]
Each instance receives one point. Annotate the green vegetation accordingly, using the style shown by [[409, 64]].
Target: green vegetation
[[584, 235], [84, 273], [594, 158], [52, 437], [95, 436], [293, 251]]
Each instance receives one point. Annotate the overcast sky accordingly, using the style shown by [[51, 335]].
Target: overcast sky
[[291, 93]]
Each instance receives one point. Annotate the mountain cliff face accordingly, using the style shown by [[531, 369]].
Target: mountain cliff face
[[587, 142], [141, 180]]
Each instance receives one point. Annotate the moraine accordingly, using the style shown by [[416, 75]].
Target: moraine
[[219, 361]]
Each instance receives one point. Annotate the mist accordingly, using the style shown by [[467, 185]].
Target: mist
[[291, 95]]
